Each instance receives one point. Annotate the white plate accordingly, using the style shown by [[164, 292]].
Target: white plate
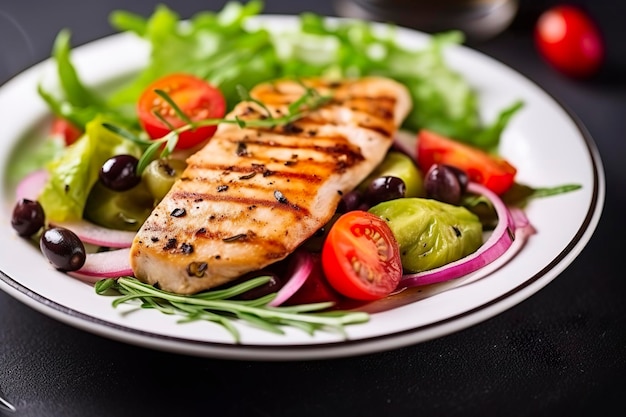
[[546, 144]]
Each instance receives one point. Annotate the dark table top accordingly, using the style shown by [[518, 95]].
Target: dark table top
[[560, 352]]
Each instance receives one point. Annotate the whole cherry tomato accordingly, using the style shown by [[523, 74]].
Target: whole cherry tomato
[[570, 41]]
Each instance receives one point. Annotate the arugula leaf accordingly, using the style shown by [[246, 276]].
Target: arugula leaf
[[489, 137], [76, 93], [520, 194], [76, 102]]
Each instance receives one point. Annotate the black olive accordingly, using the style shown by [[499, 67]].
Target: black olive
[[445, 183], [349, 201], [384, 189], [461, 176], [119, 173], [63, 248], [28, 217]]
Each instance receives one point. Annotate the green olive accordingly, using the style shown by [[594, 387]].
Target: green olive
[[160, 174], [397, 164], [123, 210]]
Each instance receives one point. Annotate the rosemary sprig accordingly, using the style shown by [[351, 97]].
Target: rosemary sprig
[[221, 307], [309, 101]]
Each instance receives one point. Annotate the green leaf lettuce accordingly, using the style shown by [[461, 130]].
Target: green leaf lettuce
[[75, 171]]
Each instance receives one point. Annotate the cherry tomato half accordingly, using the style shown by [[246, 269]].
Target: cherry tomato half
[[361, 258], [197, 98], [570, 41], [66, 130], [491, 171]]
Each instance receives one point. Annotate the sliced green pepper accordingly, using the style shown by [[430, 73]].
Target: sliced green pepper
[[430, 233]]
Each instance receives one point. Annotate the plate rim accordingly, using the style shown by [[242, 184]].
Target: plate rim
[[324, 350]]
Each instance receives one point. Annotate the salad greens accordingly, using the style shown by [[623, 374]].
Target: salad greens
[[213, 46], [75, 171], [77, 102], [223, 49], [220, 48]]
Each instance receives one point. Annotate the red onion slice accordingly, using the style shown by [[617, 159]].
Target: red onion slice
[[110, 264], [97, 235], [405, 142], [301, 268], [31, 185], [496, 245], [519, 218]]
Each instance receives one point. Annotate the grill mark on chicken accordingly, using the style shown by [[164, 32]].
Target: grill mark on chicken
[[251, 196], [340, 152], [274, 204], [376, 117], [168, 241], [282, 181], [316, 159]]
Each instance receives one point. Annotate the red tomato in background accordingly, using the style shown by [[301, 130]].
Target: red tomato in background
[[491, 171], [570, 41], [66, 130], [360, 257], [197, 98]]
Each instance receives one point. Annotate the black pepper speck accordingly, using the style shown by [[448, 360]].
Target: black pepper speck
[[178, 212], [171, 244], [186, 248]]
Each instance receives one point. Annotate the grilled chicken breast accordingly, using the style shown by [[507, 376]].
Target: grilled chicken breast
[[251, 196]]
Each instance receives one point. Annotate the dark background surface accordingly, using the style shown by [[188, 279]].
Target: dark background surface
[[562, 352]]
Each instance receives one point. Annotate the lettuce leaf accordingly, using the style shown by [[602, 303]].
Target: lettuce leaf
[[214, 46], [75, 171], [443, 101]]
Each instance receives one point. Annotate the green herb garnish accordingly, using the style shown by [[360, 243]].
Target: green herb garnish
[[309, 101], [520, 194], [221, 307]]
